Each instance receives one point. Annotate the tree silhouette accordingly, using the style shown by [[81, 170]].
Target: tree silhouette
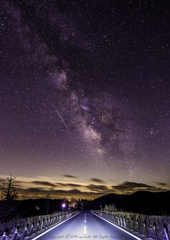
[[9, 199], [9, 192]]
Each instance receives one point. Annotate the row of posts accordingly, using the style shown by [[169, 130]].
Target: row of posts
[[121, 221], [36, 226]]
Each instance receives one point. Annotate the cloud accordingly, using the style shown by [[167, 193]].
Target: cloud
[[27, 190], [69, 176], [44, 183], [34, 193], [96, 180], [69, 185], [98, 188], [32, 190], [35, 189], [159, 183], [2, 180], [130, 187]]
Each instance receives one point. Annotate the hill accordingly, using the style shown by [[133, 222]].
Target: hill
[[142, 202]]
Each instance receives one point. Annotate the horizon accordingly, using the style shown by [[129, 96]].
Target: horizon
[[78, 199], [30, 189]]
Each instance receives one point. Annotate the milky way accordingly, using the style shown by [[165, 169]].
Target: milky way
[[85, 95]]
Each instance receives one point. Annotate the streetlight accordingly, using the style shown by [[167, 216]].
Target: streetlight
[[63, 206]]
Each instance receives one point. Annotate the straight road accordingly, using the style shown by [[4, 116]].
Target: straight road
[[86, 226]]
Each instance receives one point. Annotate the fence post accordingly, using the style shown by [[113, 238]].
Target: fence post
[[35, 222], [124, 220], [121, 222], [146, 231], [113, 218], [165, 230], [13, 230], [36, 228], [25, 224], [156, 234], [128, 222], [118, 222], [132, 221], [137, 222], [4, 236]]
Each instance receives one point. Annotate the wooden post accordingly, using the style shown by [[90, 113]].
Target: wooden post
[[133, 224], [37, 227], [4, 236], [121, 222], [124, 221], [41, 224], [156, 234], [146, 231], [15, 235], [128, 223], [137, 222], [113, 217], [118, 222], [165, 231], [26, 224], [13, 228]]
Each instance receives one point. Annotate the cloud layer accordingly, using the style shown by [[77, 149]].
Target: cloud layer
[[40, 189]]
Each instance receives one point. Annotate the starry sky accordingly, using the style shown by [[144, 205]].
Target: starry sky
[[85, 96]]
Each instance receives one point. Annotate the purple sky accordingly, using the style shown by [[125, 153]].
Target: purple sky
[[85, 96]]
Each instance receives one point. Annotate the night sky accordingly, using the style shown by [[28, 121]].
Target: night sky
[[85, 96]]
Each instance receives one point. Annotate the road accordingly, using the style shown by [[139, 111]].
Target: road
[[86, 226]]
